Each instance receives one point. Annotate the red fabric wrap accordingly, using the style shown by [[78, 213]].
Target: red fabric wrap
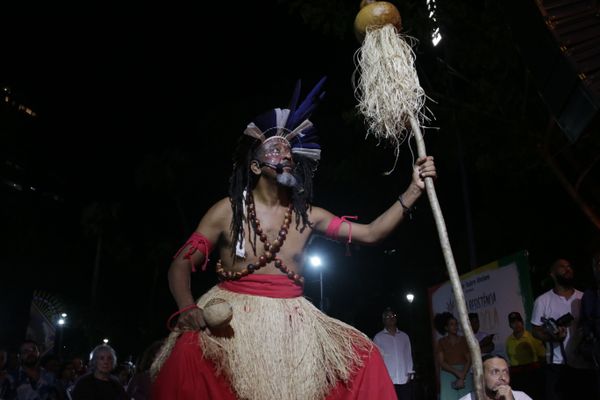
[[188, 375], [197, 241], [266, 285], [333, 228], [370, 382]]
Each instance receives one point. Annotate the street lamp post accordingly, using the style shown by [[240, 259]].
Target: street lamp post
[[410, 298], [316, 262], [61, 322]]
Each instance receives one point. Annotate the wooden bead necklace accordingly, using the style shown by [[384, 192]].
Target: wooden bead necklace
[[271, 249]]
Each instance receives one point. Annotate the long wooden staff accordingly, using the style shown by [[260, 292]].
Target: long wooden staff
[[391, 100]]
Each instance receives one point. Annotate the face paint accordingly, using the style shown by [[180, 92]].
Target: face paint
[[276, 152]]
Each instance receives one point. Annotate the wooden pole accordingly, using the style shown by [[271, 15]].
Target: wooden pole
[[451, 267]]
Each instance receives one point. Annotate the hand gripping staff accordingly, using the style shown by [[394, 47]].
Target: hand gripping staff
[[391, 100]]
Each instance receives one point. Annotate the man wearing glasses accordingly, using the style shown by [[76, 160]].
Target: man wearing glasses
[[397, 355]]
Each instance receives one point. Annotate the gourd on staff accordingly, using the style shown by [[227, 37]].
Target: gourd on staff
[[391, 99], [387, 88]]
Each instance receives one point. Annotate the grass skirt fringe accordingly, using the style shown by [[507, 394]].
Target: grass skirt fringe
[[278, 348]]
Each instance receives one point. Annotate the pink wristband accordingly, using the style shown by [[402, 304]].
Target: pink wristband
[[176, 313]]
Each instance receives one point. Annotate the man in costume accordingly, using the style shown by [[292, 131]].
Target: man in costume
[[277, 345]]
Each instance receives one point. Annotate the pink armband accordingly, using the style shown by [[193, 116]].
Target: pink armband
[[334, 227], [197, 241]]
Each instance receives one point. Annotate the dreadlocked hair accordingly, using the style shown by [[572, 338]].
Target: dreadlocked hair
[[243, 179], [302, 194]]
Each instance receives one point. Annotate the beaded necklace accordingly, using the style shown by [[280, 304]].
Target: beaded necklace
[[271, 249]]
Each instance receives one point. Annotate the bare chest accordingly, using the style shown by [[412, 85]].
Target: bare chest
[[270, 240]]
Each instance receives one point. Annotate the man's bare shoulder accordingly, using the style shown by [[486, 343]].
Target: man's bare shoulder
[[319, 218], [219, 214], [316, 213], [221, 206]]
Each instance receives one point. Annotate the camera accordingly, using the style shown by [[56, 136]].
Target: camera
[[551, 325]]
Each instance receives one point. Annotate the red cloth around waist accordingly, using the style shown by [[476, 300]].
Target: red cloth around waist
[[267, 285], [189, 375]]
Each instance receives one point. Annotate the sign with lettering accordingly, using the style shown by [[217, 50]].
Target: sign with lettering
[[492, 291]]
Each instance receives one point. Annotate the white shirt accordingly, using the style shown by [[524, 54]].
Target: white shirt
[[396, 353], [551, 305], [516, 394]]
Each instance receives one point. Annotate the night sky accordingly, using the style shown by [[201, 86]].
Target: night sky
[[137, 114]]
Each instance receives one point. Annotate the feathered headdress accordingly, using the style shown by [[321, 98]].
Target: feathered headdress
[[291, 124]]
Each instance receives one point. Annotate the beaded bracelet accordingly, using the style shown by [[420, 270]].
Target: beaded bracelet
[[407, 210]]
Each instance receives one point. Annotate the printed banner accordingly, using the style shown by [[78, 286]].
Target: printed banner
[[492, 291]]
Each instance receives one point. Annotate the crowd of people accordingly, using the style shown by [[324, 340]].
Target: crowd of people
[[556, 360], [100, 377]]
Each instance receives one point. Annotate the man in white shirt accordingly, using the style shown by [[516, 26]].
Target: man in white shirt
[[397, 355], [496, 381], [555, 318]]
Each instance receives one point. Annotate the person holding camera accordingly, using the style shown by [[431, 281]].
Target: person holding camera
[[554, 320]]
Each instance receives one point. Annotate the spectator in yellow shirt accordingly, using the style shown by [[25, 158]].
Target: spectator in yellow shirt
[[526, 354]]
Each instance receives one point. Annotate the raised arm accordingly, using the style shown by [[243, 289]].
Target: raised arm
[[385, 223], [192, 253]]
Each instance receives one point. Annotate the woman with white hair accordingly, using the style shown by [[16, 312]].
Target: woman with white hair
[[99, 384]]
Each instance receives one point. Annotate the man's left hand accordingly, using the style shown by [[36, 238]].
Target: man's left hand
[[424, 168]]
